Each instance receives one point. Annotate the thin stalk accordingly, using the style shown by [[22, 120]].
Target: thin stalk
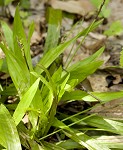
[[79, 45], [69, 55], [67, 126], [96, 18], [72, 45]]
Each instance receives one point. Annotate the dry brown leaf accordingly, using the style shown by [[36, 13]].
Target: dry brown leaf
[[81, 7], [98, 82], [112, 109]]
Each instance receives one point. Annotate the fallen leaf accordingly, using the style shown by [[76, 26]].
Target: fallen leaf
[[98, 82], [81, 7], [112, 109]]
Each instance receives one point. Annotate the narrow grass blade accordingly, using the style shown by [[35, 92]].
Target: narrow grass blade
[[79, 137], [25, 102], [74, 95], [104, 96], [9, 137]]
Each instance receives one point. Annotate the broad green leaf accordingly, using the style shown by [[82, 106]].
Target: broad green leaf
[[9, 137], [54, 24], [20, 36], [25, 102], [104, 96], [105, 124], [74, 95], [53, 53], [8, 35], [18, 70]]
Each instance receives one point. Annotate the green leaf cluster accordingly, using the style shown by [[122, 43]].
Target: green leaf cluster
[[40, 89]]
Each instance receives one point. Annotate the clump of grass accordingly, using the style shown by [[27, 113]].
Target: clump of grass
[[40, 89]]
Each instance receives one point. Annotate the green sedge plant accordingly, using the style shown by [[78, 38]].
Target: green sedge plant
[[40, 89]]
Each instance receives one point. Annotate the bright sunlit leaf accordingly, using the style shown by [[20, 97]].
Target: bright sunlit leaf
[[25, 102], [9, 137]]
